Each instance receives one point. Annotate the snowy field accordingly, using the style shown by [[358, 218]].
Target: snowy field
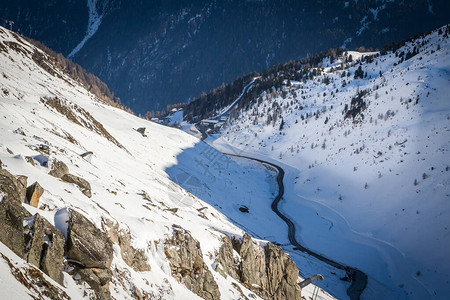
[[373, 193]]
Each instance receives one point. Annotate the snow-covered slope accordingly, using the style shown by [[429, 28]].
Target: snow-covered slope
[[370, 179], [45, 115]]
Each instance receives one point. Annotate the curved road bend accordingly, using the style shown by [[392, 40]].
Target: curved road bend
[[358, 278]]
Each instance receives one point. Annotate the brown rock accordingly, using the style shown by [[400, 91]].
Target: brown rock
[[30, 160], [226, 258], [187, 265], [58, 169], [82, 184], [253, 266], [34, 193], [133, 257], [282, 274], [99, 283], [86, 244]]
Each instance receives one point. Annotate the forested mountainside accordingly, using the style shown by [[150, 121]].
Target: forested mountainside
[[156, 53], [90, 207], [366, 136]]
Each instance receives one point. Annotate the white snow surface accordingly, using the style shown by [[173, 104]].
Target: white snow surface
[[94, 22], [156, 165], [372, 194]]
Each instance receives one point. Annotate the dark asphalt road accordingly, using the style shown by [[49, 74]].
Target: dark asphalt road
[[358, 278]]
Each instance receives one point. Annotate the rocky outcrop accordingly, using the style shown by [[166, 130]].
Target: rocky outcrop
[[90, 251], [58, 169], [86, 244], [44, 246], [11, 213], [282, 274], [98, 279], [81, 183], [253, 264], [34, 193], [133, 257], [188, 266], [228, 263], [268, 271]]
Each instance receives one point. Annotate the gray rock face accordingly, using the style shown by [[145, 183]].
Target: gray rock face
[[58, 169], [272, 270], [34, 193], [188, 267], [44, 245], [82, 184], [11, 214], [86, 244], [22, 187]]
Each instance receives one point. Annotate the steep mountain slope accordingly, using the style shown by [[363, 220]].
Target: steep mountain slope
[[106, 210], [156, 53], [365, 142]]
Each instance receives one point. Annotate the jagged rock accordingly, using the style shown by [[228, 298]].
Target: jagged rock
[[282, 274], [58, 169], [187, 265], [34, 193], [86, 244], [44, 244], [133, 257], [98, 279], [111, 229], [22, 187], [82, 184], [253, 266], [35, 282], [226, 258], [268, 271], [11, 214]]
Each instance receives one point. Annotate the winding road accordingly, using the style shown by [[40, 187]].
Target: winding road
[[358, 278]]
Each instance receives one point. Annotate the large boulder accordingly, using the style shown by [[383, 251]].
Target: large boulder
[[11, 214], [86, 244], [188, 266], [44, 246], [82, 184], [58, 169], [34, 193]]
